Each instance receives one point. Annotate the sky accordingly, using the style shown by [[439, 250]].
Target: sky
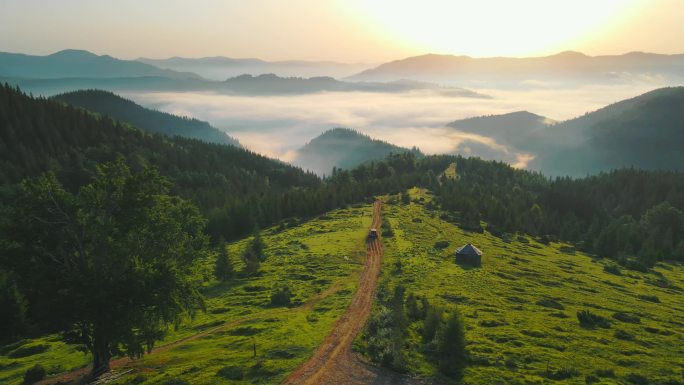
[[368, 31]]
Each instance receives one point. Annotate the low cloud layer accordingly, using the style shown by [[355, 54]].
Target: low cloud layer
[[278, 125]]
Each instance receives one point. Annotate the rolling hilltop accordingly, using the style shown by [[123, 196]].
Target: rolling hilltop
[[343, 148], [642, 132], [109, 104], [261, 85], [220, 67], [562, 68], [79, 64], [514, 127]]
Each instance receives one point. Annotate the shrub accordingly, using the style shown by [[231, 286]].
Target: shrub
[[567, 249], [412, 310], [635, 265], [649, 298], [626, 317], [281, 296], [550, 303], [612, 268], [34, 374], [175, 381], [252, 263], [610, 373], [563, 373], [451, 346], [231, 373], [433, 320], [636, 379], [387, 229], [440, 245], [25, 351], [623, 335], [590, 320], [139, 379]]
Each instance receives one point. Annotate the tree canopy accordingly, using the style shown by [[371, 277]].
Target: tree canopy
[[110, 266]]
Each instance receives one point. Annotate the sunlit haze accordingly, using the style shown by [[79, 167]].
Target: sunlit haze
[[350, 31]]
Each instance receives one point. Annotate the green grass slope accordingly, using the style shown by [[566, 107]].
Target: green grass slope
[[520, 307], [317, 260]]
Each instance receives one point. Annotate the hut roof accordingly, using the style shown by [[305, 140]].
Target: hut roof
[[468, 249]]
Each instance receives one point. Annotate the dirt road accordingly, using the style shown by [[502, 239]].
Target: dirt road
[[121, 363], [333, 362]]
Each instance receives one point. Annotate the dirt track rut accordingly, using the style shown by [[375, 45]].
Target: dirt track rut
[[334, 362]]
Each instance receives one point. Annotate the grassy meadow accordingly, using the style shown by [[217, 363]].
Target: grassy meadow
[[520, 307], [317, 260]]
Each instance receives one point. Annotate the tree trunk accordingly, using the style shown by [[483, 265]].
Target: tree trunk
[[101, 357]]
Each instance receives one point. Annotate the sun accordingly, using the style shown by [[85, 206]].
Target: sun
[[490, 27]]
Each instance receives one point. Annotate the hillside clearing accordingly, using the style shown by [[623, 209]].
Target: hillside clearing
[[318, 260], [520, 308]]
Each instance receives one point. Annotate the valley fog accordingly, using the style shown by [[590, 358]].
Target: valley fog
[[278, 125]]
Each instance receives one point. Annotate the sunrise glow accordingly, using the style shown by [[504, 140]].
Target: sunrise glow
[[491, 27]]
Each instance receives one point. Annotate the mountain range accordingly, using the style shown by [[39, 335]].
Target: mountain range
[[79, 64], [70, 70], [565, 68], [124, 110], [220, 67]]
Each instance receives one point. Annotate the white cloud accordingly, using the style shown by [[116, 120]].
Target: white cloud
[[278, 125]]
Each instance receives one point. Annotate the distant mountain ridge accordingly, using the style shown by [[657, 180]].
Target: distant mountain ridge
[[124, 110], [465, 70], [79, 64], [221, 67], [265, 84], [343, 148]]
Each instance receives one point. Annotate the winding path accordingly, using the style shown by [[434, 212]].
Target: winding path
[[333, 362]]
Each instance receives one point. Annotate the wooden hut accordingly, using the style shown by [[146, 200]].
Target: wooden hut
[[469, 255]]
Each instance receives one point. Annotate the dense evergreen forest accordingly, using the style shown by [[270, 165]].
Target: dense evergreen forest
[[630, 215], [124, 110]]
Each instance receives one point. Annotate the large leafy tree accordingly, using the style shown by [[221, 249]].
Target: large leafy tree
[[111, 266]]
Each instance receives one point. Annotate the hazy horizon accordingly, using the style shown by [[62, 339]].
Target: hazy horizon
[[341, 31]]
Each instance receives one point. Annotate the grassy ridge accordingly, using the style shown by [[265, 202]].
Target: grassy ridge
[[315, 260], [520, 307]]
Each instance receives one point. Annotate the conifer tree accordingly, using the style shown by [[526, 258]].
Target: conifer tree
[[223, 269]]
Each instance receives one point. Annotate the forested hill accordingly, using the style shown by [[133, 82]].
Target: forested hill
[[235, 188], [515, 128], [110, 104], [343, 148], [645, 132], [628, 214]]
